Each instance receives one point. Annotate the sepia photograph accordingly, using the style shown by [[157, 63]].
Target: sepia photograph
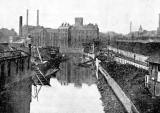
[[80, 56]]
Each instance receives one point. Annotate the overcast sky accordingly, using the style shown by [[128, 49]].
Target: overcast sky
[[110, 15]]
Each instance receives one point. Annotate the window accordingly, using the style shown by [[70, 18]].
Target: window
[[17, 66], [2, 69], [9, 68], [158, 67], [22, 64]]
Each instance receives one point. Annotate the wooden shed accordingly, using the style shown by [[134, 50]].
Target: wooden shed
[[152, 81]]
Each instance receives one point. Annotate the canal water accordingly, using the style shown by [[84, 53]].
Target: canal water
[[73, 90]]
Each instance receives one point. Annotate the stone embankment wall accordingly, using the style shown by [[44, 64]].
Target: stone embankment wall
[[15, 85], [131, 80], [110, 102]]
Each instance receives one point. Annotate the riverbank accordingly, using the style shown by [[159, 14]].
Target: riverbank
[[73, 91], [131, 80], [109, 100]]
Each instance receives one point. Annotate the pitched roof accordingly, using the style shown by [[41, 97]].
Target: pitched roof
[[52, 30], [38, 29]]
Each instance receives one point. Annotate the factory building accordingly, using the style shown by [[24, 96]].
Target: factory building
[[53, 37], [26, 30], [73, 36], [83, 33], [39, 37], [65, 36], [38, 33]]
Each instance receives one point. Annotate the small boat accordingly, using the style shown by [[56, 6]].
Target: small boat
[[44, 68], [85, 62]]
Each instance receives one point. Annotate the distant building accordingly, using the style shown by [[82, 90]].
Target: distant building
[[39, 37], [140, 31], [83, 33], [53, 38], [26, 30], [141, 34], [5, 34], [79, 21], [64, 35]]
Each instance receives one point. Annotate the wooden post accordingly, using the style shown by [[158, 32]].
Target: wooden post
[[97, 66]]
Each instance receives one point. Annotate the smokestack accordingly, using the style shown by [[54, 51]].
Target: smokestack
[[27, 22], [20, 26], [37, 17], [130, 26], [27, 18], [159, 20]]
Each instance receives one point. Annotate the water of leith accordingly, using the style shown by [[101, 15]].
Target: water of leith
[[73, 90]]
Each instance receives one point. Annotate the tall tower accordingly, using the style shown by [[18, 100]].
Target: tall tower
[[158, 29], [27, 22], [131, 27], [37, 17], [20, 26], [27, 18], [140, 29], [79, 21], [159, 20]]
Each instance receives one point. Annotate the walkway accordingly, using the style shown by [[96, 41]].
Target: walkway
[[127, 103]]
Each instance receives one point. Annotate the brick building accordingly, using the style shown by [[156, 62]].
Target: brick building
[[64, 35], [39, 37], [83, 33], [53, 37], [26, 30]]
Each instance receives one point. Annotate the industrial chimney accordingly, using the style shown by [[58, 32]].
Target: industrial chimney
[[27, 22], [159, 20], [37, 17], [20, 26], [131, 27], [27, 18]]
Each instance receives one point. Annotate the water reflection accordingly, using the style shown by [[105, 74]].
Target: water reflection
[[71, 73], [73, 91]]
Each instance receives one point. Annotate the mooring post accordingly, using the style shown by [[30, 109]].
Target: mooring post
[[97, 66]]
